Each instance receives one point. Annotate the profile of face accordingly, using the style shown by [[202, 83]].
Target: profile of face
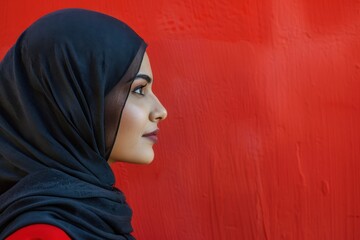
[[139, 121]]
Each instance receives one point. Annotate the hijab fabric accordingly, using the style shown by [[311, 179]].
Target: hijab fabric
[[63, 86]]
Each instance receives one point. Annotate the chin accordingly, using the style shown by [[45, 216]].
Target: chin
[[145, 158], [138, 161], [147, 162]]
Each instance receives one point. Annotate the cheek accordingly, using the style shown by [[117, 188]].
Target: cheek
[[129, 145], [133, 121]]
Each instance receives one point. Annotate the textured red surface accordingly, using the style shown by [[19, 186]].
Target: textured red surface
[[39, 232], [262, 140]]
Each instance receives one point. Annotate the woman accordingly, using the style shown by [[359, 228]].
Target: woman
[[63, 119]]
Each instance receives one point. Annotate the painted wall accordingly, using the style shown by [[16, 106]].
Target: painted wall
[[262, 140]]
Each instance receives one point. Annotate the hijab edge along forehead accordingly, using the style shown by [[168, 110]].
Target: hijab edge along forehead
[[112, 101]]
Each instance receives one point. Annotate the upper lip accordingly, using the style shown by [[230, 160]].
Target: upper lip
[[153, 133]]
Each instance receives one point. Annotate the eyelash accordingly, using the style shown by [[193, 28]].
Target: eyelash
[[139, 88]]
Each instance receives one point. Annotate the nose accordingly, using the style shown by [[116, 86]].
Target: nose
[[159, 112]]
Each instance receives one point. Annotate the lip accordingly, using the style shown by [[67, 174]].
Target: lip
[[152, 135]]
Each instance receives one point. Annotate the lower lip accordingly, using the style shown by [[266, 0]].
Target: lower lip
[[153, 138]]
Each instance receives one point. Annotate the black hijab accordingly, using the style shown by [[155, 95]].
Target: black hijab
[[63, 86]]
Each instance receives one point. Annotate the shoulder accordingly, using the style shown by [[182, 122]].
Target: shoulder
[[39, 232]]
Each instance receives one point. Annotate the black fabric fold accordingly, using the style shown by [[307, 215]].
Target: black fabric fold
[[63, 86]]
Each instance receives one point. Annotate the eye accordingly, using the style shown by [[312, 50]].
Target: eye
[[139, 90]]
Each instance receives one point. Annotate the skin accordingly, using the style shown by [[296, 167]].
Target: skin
[[141, 115]]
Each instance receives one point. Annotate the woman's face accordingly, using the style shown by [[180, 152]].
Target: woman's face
[[139, 122]]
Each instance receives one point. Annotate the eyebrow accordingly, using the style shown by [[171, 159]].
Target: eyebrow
[[145, 77]]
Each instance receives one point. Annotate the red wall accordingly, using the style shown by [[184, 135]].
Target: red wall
[[262, 140]]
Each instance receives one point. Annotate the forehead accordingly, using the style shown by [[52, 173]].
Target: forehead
[[145, 67]]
